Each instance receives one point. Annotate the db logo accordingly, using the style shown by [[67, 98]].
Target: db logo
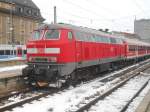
[[40, 50]]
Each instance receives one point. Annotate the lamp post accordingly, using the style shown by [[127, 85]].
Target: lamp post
[[55, 15], [12, 26]]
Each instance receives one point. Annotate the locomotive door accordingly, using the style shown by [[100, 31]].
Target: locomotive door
[[78, 51]]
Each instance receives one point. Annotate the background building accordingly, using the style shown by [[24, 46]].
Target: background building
[[18, 18], [142, 28]]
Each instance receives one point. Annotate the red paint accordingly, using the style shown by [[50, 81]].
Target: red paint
[[76, 51]]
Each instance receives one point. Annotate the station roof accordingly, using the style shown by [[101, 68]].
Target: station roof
[[24, 8], [28, 3]]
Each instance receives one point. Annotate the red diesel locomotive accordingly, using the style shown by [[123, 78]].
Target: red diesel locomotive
[[60, 53]]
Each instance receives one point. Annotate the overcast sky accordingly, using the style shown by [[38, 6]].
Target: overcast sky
[[113, 14]]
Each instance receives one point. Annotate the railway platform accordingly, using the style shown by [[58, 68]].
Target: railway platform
[[8, 74], [9, 78], [11, 71], [11, 61], [144, 106], [11, 66]]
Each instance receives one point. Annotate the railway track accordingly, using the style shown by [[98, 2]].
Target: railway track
[[26, 97], [14, 94], [86, 106], [117, 103], [134, 96], [36, 96]]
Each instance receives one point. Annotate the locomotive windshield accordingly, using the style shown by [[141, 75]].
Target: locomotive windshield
[[52, 34], [37, 35]]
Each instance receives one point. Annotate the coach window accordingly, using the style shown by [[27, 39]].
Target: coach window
[[99, 39], [121, 41], [104, 39], [93, 38], [132, 47], [108, 40], [78, 35], [113, 40], [118, 41], [70, 35], [89, 38]]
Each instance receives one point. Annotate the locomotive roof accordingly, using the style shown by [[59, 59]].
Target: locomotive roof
[[76, 28]]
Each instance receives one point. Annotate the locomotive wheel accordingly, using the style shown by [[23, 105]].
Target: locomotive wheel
[[72, 80]]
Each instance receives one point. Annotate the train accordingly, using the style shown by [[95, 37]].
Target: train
[[62, 53], [7, 50]]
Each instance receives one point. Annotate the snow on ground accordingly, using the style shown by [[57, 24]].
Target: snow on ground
[[61, 101], [14, 67], [65, 100], [69, 99], [119, 98], [10, 68], [132, 107]]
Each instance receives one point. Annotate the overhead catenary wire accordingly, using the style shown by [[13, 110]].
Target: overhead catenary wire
[[95, 17], [81, 22], [96, 14], [84, 9], [89, 19], [137, 5], [107, 10]]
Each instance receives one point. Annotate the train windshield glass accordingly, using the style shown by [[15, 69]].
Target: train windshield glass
[[37, 35], [52, 34]]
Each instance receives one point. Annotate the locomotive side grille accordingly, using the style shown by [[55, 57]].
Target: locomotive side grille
[[43, 59], [40, 59]]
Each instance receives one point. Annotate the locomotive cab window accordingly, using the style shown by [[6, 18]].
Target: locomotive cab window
[[52, 34], [70, 35]]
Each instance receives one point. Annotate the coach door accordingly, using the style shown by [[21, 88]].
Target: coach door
[[19, 52], [79, 51]]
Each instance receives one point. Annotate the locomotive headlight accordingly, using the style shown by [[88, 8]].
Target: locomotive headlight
[[31, 50], [52, 50]]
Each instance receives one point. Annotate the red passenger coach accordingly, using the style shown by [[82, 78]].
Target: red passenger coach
[[60, 53], [136, 48]]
